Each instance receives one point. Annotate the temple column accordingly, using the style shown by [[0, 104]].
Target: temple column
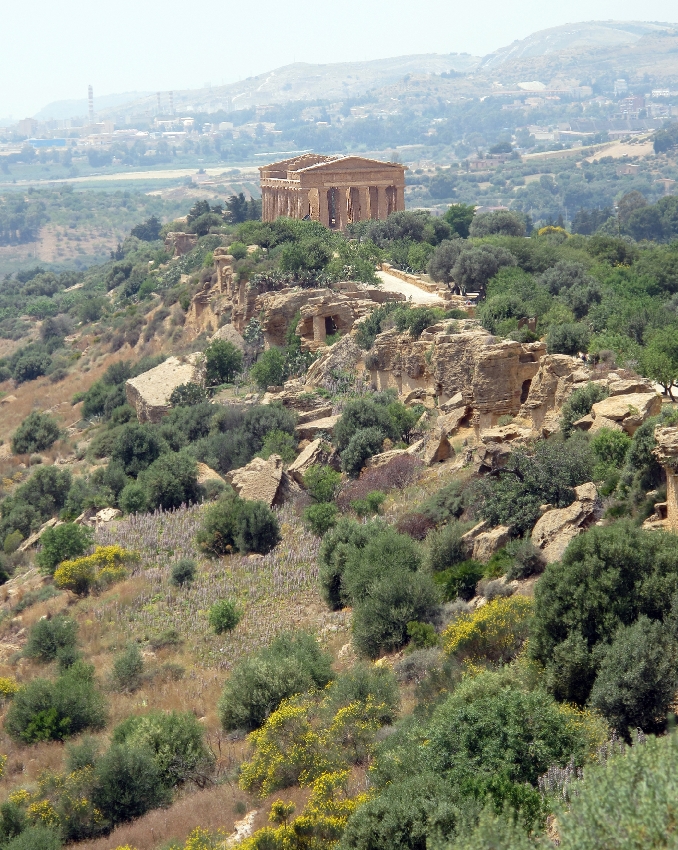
[[319, 331], [400, 196], [364, 203], [340, 208], [323, 207], [381, 203]]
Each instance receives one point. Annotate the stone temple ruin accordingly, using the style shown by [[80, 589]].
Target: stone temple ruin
[[333, 190]]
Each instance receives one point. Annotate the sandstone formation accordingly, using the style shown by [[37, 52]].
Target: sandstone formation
[[206, 473], [178, 243], [263, 481], [625, 412], [555, 528], [149, 393], [310, 430], [229, 334], [316, 453], [558, 375], [666, 452], [436, 447], [486, 543], [492, 376], [343, 356]]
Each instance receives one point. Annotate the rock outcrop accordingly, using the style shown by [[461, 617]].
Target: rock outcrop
[[625, 412], [555, 528], [666, 452], [316, 453], [486, 377], [487, 543], [263, 481], [558, 375], [149, 393], [310, 430], [343, 356], [178, 243]]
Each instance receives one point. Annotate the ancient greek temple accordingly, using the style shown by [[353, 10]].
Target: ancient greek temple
[[333, 190]]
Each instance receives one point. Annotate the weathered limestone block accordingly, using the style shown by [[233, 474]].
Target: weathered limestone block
[[206, 473], [310, 430], [504, 434], [229, 334], [666, 452], [106, 515], [636, 385], [488, 542], [630, 411], [385, 458], [436, 448], [490, 457], [178, 243], [554, 530], [316, 452], [343, 356], [34, 538], [468, 540], [149, 393], [263, 481], [549, 389], [451, 422]]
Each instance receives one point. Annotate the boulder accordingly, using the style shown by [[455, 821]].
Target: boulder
[[8, 399], [504, 434], [490, 457], [384, 458], [468, 540], [263, 481], [229, 334], [178, 243], [343, 356], [436, 448], [554, 530], [629, 410], [106, 515], [637, 385], [310, 430], [311, 415], [316, 452], [452, 404], [149, 393], [451, 421], [206, 473], [34, 538], [486, 543]]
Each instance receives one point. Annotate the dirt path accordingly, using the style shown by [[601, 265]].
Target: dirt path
[[418, 296]]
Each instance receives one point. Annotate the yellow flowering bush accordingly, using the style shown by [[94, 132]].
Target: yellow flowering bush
[[20, 797], [43, 812], [494, 632], [101, 569], [8, 687], [297, 744], [319, 826]]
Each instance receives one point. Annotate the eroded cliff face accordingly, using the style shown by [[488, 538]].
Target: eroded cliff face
[[493, 376]]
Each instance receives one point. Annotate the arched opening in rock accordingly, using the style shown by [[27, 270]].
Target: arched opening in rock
[[525, 390]]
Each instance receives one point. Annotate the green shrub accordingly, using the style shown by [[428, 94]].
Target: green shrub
[[337, 545], [579, 404], [270, 370], [365, 413], [232, 523], [444, 505], [183, 572], [35, 838], [37, 433], [460, 581], [12, 821], [136, 447], [292, 664], [128, 670], [610, 449], [363, 445], [380, 618], [61, 543], [321, 517], [128, 783], [625, 803], [84, 753], [188, 395], [567, 338], [171, 481], [607, 578], [50, 635], [546, 474], [133, 499], [362, 682], [637, 678], [279, 443], [370, 505], [322, 483], [526, 559], [422, 635], [223, 362], [176, 741], [51, 711], [445, 547], [224, 616]]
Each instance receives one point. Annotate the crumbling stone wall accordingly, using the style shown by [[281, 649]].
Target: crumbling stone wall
[[666, 452]]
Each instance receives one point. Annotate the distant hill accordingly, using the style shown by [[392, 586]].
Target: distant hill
[[78, 108]]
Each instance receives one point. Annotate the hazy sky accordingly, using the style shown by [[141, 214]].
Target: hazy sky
[[52, 51]]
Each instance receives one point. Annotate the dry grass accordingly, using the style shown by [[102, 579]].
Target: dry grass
[[213, 809]]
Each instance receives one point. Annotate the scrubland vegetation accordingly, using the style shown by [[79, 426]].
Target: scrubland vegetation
[[329, 664]]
